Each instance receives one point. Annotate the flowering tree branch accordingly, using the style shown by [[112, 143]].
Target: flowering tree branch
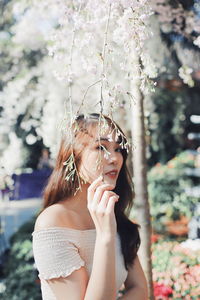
[[103, 75]]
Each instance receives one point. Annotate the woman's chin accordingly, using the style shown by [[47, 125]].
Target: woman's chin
[[109, 180]]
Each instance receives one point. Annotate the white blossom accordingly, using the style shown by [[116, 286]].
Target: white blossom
[[186, 74], [197, 41], [82, 56], [12, 157], [191, 244]]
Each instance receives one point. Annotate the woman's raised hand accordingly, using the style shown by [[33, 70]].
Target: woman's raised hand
[[101, 203]]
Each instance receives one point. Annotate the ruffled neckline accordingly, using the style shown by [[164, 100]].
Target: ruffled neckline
[[64, 229]]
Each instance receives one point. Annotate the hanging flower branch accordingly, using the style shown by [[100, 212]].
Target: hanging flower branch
[[97, 48], [121, 27], [73, 32]]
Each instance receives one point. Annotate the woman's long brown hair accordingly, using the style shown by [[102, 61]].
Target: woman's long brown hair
[[58, 188]]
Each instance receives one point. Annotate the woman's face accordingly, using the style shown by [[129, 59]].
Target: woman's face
[[107, 152]]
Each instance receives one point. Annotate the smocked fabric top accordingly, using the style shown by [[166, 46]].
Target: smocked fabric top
[[58, 251]]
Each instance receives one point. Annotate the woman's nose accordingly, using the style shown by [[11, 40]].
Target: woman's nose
[[112, 157]]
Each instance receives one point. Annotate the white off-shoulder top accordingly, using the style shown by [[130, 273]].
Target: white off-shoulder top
[[58, 251]]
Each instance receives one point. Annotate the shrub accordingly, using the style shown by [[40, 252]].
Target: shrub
[[176, 271], [21, 277], [166, 187]]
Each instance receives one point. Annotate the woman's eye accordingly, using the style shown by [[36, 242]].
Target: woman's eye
[[104, 148], [100, 148]]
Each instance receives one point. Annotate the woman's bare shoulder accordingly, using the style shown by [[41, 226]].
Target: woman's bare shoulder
[[53, 216]]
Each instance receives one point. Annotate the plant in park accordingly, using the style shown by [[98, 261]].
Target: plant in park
[[176, 270], [180, 25], [20, 274], [167, 185], [93, 45], [104, 41], [98, 56]]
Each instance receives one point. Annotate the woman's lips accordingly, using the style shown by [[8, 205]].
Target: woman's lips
[[112, 174]]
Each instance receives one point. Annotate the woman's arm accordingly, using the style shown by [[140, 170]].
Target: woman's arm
[[135, 284], [102, 283], [101, 202]]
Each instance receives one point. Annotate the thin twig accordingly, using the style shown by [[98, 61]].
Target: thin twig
[[105, 44], [103, 75], [70, 72], [79, 182], [70, 100], [82, 102]]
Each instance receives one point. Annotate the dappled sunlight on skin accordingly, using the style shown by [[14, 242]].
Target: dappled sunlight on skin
[[100, 155]]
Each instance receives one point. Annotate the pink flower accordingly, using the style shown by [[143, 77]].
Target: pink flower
[[154, 238], [162, 290]]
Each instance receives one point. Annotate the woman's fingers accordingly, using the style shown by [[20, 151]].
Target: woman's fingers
[[105, 199], [91, 199], [100, 190], [92, 188], [111, 204], [101, 202], [96, 190]]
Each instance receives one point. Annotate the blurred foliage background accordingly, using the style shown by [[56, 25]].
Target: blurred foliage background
[[31, 98], [31, 103]]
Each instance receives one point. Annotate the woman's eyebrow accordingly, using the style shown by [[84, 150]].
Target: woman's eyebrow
[[107, 140], [102, 139]]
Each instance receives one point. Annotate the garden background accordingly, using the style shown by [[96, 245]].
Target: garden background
[[35, 45]]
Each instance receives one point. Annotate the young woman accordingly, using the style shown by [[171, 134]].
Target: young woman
[[84, 245]]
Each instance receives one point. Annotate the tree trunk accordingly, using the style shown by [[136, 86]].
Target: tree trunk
[[142, 210]]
